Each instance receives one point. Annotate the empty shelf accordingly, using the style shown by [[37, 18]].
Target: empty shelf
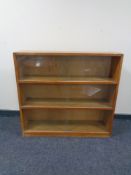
[[66, 128], [40, 103]]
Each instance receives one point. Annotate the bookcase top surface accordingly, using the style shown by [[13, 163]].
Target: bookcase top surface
[[35, 53]]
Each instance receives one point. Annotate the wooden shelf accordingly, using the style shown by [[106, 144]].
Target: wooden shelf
[[38, 53], [66, 80], [58, 104], [67, 128]]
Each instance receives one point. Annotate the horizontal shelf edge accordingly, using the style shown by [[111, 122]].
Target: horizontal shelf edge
[[66, 107], [66, 133], [66, 82], [30, 53]]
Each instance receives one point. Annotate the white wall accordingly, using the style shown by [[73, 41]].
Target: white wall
[[64, 25]]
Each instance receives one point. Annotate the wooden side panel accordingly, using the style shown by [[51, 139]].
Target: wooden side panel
[[20, 95], [116, 71]]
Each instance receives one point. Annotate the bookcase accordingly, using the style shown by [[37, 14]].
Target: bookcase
[[67, 94]]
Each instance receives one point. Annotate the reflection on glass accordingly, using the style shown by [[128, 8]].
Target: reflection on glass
[[65, 66]]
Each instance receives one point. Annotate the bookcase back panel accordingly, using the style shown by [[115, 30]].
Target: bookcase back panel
[[65, 66], [67, 120], [67, 92], [65, 114]]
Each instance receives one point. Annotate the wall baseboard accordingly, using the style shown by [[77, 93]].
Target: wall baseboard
[[16, 113], [123, 116], [9, 113]]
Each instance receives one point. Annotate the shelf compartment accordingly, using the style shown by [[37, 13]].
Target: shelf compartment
[[66, 80], [66, 122], [46, 128], [73, 66], [57, 103], [96, 96]]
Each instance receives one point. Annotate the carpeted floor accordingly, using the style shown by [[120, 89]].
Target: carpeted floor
[[64, 156]]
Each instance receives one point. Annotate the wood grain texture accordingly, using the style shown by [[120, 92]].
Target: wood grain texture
[[117, 74], [67, 92], [64, 66], [78, 104], [79, 128], [23, 122], [66, 134], [66, 80], [66, 114], [37, 53]]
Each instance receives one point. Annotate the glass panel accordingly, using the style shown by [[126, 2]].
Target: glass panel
[[62, 94], [64, 66], [67, 120]]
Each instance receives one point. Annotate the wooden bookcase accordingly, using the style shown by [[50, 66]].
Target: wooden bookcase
[[67, 94]]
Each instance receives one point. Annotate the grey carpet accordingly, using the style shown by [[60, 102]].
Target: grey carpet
[[64, 156]]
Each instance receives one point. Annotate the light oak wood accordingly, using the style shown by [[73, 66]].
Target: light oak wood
[[38, 53], [42, 103], [66, 80], [67, 134], [82, 129], [66, 114], [67, 126], [67, 94], [64, 66]]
